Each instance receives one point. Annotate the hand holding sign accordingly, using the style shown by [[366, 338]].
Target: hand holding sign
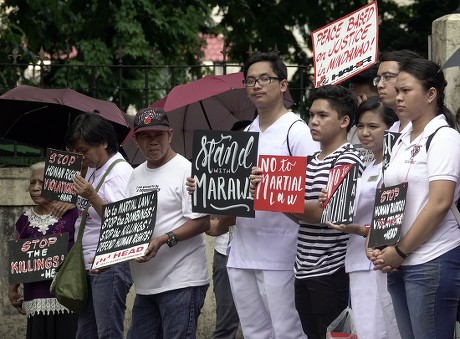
[[60, 170], [281, 186]]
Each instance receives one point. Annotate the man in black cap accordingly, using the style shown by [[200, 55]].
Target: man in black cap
[[171, 281]]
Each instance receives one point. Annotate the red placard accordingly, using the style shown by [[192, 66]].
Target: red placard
[[282, 188]]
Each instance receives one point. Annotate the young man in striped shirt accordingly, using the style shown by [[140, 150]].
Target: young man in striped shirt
[[321, 284]]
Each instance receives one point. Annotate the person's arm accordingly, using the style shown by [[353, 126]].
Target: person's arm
[[16, 299], [221, 225], [84, 189], [189, 229], [440, 198], [312, 212], [59, 208]]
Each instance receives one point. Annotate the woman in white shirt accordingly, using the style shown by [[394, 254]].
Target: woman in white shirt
[[370, 299], [424, 282]]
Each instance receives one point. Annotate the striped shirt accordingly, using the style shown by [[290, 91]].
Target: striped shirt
[[320, 249]]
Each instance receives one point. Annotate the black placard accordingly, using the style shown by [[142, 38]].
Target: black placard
[[389, 141], [340, 199], [126, 228], [221, 165], [36, 259], [61, 167], [390, 203]]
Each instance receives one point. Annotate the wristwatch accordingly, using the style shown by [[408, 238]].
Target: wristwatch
[[172, 239]]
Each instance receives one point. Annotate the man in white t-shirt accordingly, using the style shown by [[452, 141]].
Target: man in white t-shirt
[[171, 281]]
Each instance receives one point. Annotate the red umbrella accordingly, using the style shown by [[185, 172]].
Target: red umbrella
[[214, 102], [40, 117]]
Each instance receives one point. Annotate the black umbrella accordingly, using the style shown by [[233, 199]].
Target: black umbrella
[[40, 117]]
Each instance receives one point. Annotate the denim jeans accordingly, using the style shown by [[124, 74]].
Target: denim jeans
[[425, 297], [104, 315], [227, 320], [169, 315]]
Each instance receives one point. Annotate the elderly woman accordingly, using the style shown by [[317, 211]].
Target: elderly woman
[[46, 318]]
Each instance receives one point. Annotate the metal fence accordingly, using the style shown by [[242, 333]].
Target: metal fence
[[129, 86]]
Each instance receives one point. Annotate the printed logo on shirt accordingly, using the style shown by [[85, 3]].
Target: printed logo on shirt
[[415, 151], [149, 188], [372, 178]]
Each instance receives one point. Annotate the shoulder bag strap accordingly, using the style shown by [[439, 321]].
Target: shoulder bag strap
[[85, 212]]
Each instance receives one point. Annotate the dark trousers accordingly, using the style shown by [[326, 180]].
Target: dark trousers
[[320, 300], [227, 320]]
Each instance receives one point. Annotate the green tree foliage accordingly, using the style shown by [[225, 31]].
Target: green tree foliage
[[134, 32], [165, 32]]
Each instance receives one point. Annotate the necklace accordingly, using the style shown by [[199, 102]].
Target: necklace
[[40, 221]]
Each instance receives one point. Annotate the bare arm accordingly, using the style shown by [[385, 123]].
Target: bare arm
[[15, 298], [221, 225]]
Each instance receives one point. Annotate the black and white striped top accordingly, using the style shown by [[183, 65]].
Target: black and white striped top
[[321, 250]]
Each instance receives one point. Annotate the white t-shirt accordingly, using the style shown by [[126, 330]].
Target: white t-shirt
[[269, 240], [397, 124], [370, 180], [183, 265], [113, 189], [441, 163], [221, 243]]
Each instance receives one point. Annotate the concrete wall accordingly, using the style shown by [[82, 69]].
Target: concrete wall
[[14, 198], [445, 41]]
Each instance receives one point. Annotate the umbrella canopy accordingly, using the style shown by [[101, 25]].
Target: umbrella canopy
[[214, 102], [40, 117]]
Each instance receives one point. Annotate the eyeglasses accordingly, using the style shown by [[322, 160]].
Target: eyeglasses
[[384, 77], [263, 81]]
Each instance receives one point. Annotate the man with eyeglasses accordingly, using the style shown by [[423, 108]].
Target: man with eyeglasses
[[263, 249], [385, 81]]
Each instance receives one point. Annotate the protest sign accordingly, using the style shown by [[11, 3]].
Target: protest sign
[[36, 259], [221, 165], [126, 228], [339, 205], [387, 218], [389, 141], [61, 167], [346, 46], [282, 188]]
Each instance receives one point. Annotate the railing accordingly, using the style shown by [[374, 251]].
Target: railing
[[130, 86]]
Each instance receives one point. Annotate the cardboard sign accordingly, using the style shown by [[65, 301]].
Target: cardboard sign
[[282, 188], [366, 155], [346, 46], [387, 219], [221, 165], [61, 167], [126, 228], [36, 259], [341, 192], [389, 141]]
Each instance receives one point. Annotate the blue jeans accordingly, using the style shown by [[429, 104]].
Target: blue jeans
[[104, 315], [425, 297], [227, 320], [169, 315]]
